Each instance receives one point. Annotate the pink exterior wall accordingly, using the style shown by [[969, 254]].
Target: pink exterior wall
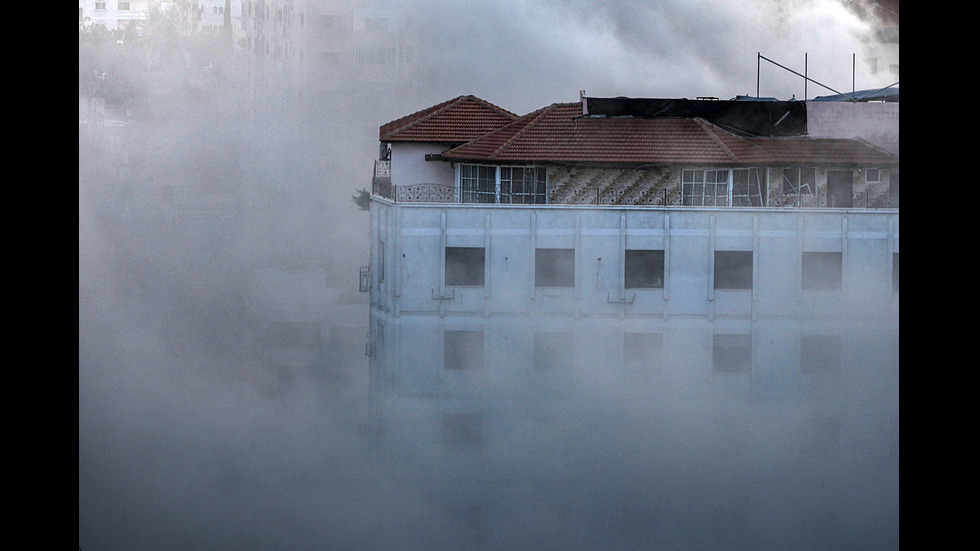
[[875, 122]]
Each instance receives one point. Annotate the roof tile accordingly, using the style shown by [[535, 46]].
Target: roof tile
[[560, 133], [458, 120]]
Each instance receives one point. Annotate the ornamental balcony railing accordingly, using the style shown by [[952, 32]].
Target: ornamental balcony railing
[[382, 186]]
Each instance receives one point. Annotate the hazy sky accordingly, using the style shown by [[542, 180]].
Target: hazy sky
[[540, 51], [182, 445]]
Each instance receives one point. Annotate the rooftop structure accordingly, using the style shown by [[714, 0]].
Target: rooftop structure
[[567, 306], [643, 146]]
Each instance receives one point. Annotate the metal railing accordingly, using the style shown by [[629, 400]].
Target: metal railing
[[381, 186]]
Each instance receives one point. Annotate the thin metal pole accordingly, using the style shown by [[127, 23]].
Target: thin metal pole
[[758, 57], [798, 74], [853, 61], [805, 65]]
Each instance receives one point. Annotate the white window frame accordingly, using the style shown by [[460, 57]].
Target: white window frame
[[695, 182], [799, 188], [502, 186]]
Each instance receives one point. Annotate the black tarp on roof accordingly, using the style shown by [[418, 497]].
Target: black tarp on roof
[[746, 118]]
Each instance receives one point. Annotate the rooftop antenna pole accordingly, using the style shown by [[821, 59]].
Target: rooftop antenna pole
[[852, 74], [805, 79], [758, 57], [801, 75]]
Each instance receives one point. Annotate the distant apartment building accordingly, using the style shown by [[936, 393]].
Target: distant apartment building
[[883, 18], [114, 14], [328, 50]]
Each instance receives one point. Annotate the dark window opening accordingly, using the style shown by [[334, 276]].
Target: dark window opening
[[554, 268], [465, 266], [733, 270], [840, 188], [732, 353], [463, 350], [822, 271], [644, 269]]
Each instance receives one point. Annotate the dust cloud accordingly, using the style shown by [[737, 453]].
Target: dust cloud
[[219, 183]]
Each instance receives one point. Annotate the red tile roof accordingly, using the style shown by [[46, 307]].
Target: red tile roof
[[839, 151], [458, 120], [560, 133]]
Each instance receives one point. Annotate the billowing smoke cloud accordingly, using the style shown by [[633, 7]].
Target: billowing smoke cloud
[[189, 438], [538, 52]]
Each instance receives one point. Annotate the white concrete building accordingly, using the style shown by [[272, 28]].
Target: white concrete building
[[113, 14], [626, 286]]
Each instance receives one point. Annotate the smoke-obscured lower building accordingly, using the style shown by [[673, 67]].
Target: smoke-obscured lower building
[[643, 320]]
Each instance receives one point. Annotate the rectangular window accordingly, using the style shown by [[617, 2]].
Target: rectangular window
[[748, 187], [554, 268], [462, 430], [478, 184], [123, 6], [508, 185], [820, 354], [732, 353], [523, 185], [704, 188], [799, 181], [100, 5], [895, 272], [822, 271], [553, 350], [644, 269], [465, 266], [463, 350], [871, 175], [643, 351], [733, 270]]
